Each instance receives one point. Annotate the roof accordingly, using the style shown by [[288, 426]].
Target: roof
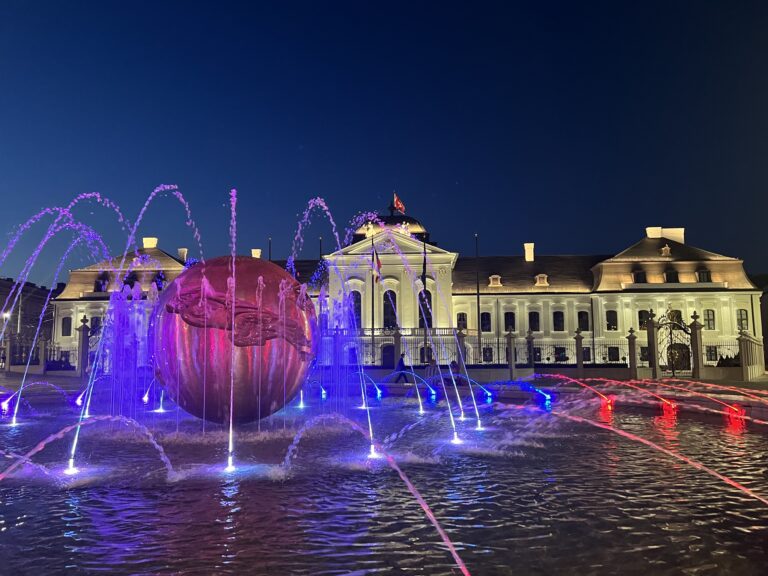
[[149, 259], [305, 271], [565, 273], [650, 249]]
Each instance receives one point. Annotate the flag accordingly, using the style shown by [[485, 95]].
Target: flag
[[398, 204], [375, 263]]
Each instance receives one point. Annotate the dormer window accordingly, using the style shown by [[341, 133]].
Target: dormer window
[[494, 280], [542, 280], [704, 275], [639, 277], [671, 276]]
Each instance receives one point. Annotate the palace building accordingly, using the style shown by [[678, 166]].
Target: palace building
[[392, 290]]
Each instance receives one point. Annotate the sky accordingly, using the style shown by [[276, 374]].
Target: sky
[[573, 125]]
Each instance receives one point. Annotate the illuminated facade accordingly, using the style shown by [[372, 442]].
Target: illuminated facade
[[369, 297]]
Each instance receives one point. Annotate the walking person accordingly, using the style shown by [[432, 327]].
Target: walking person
[[401, 370]]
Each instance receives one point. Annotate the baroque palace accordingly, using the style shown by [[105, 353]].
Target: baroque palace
[[518, 310]]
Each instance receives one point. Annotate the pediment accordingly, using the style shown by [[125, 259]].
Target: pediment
[[389, 242]]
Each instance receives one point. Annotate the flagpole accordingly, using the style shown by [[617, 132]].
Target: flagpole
[[424, 299], [373, 304], [477, 288]]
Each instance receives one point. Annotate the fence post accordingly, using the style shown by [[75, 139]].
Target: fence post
[[398, 337], [8, 352], [82, 350], [653, 359], [632, 340], [696, 346], [41, 353], [510, 339], [579, 353], [529, 342], [743, 345], [462, 351]]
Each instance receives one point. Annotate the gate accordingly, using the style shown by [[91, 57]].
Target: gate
[[674, 344]]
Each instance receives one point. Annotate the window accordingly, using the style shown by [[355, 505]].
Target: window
[[485, 321], [709, 319], [461, 321], [639, 277], [102, 282], [66, 326], [704, 276], [611, 320], [643, 353], [742, 319], [711, 352], [560, 354], [131, 279], [95, 325], [613, 353], [542, 280], [356, 309], [671, 276], [586, 354], [390, 309], [494, 280], [425, 309], [583, 318], [558, 321], [159, 280], [533, 322], [487, 354], [642, 319], [509, 321]]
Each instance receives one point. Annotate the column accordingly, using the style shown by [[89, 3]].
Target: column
[[579, 353], [632, 339], [529, 342], [652, 357], [82, 350], [510, 341], [697, 352]]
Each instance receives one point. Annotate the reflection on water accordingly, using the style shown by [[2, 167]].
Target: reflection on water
[[530, 494]]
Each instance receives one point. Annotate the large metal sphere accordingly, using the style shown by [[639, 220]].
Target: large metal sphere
[[194, 336]]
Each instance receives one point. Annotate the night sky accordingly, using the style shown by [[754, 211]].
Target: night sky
[[573, 125]]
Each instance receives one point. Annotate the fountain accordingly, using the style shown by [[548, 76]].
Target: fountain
[[338, 469]]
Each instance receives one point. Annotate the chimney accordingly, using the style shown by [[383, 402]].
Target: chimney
[[674, 234], [182, 252], [149, 242], [255, 252], [528, 247]]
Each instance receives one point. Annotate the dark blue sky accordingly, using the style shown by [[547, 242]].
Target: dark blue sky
[[572, 124]]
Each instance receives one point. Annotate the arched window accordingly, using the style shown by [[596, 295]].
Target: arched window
[[485, 321], [461, 321], [742, 319], [131, 279], [159, 280], [66, 326], [390, 309], [356, 309], [425, 309], [611, 320], [639, 277], [558, 321], [583, 318], [676, 317], [509, 321], [534, 325], [709, 319], [642, 319]]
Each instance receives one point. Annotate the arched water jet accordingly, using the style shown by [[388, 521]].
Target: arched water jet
[[40, 446], [337, 418]]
